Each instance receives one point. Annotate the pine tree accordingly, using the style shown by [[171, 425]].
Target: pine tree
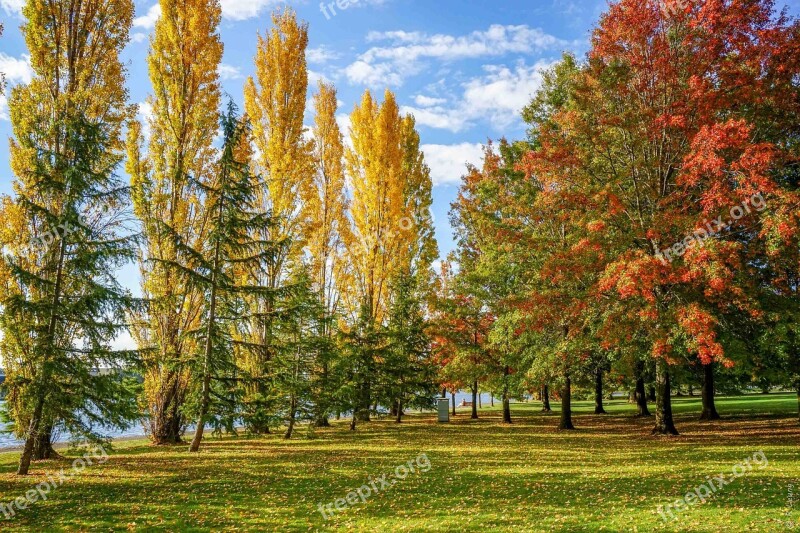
[[213, 267], [66, 231], [184, 57], [408, 375]]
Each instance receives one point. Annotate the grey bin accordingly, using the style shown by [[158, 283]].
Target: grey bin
[[444, 409]]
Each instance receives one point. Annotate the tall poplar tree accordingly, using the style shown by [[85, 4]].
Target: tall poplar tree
[[64, 228], [329, 230], [184, 57], [275, 102]]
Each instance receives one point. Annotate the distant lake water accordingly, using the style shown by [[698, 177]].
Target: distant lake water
[[8, 441]]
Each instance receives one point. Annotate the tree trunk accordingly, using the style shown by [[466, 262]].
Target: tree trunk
[[43, 447], [546, 399], [640, 396], [491, 397], [365, 400], [709, 409], [641, 399], [30, 440], [506, 400], [665, 425], [475, 400], [399, 418], [212, 319], [292, 417], [566, 405], [651, 393], [480, 400], [453, 396], [598, 392], [322, 405]]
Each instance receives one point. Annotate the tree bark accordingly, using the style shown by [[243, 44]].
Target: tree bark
[[709, 409], [640, 396], [321, 409], [506, 400], [30, 439], [475, 400], [491, 397], [365, 400], [212, 319], [399, 418], [566, 405], [665, 425], [598, 392], [43, 447], [453, 396], [546, 399], [480, 400], [292, 417]]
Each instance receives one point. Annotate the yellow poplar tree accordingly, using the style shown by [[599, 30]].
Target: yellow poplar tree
[[185, 54], [328, 231], [67, 125], [275, 103], [417, 224], [375, 166], [329, 226]]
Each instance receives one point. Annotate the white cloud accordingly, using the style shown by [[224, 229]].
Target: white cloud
[[144, 115], [245, 9], [321, 54], [343, 120], [380, 75], [405, 51], [229, 72], [138, 37], [12, 7], [16, 71], [498, 98], [148, 20], [124, 341], [448, 161], [395, 36], [315, 77], [428, 101]]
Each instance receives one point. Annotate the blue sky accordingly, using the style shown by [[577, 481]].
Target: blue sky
[[463, 68]]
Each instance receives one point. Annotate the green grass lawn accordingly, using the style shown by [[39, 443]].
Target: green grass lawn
[[609, 475]]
